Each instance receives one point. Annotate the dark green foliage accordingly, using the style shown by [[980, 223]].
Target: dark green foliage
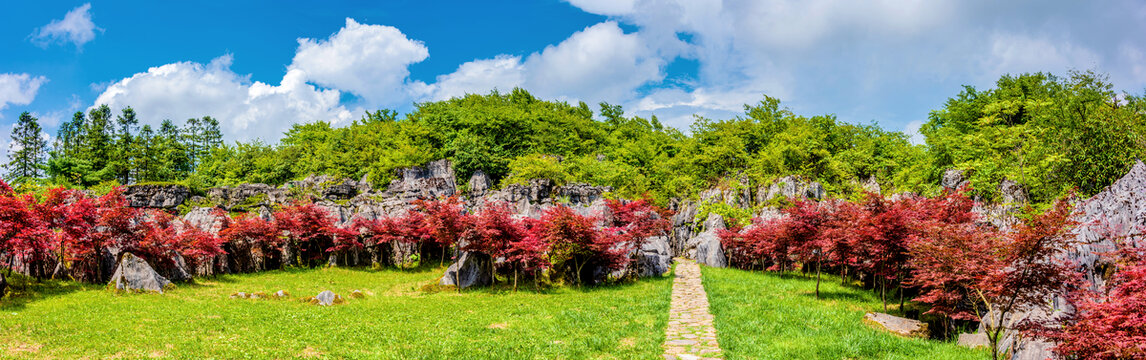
[[1047, 134], [27, 161]]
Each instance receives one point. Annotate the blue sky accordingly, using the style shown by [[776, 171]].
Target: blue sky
[[260, 66]]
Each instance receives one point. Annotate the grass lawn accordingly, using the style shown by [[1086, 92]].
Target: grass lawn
[[763, 316], [395, 320]]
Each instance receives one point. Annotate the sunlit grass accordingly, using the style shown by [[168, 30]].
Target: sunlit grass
[[763, 316], [396, 320]]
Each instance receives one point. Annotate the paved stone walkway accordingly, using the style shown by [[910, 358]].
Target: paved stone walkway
[[690, 334]]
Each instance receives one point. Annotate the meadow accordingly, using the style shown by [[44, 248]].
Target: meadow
[[763, 315], [396, 319]]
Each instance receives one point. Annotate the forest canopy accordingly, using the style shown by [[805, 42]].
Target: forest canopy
[[1048, 134]]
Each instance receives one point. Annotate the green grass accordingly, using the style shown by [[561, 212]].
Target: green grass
[[763, 316], [396, 320]]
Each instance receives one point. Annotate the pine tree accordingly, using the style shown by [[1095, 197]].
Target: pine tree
[[97, 144], [144, 156], [28, 149], [122, 161]]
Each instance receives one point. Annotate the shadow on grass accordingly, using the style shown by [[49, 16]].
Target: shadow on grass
[[838, 295], [23, 290]]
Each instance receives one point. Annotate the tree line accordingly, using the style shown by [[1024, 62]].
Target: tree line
[[1046, 133], [94, 148]]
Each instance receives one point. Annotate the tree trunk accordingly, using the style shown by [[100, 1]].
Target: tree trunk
[[883, 292], [817, 277], [514, 279]]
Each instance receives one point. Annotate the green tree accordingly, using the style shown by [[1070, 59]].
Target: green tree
[[27, 150]]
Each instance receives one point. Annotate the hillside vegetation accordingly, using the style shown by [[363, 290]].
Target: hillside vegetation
[[1047, 133]]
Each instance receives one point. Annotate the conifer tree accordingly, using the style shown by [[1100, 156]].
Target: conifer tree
[[27, 150]]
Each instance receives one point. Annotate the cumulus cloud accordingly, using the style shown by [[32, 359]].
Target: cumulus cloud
[[245, 109], [370, 61], [19, 89], [76, 27], [598, 63], [1014, 53]]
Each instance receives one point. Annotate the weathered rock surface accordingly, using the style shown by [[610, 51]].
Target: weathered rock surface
[[708, 248], [1119, 211], [791, 187], [897, 325], [976, 340], [327, 298], [247, 196], [953, 179], [134, 274], [474, 271], [156, 196], [329, 187], [655, 257]]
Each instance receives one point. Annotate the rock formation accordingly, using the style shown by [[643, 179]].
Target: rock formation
[[134, 274], [156, 195]]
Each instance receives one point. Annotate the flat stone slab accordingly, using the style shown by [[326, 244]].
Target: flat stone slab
[[689, 334], [897, 325]]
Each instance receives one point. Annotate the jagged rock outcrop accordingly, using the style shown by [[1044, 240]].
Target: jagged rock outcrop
[[134, 274], [327, 298], [156, 195], [247, 196], [471, 269], [434, 180], [329, 187], [532, 198], [791, 187], [655, 257], [1012, 192], [953, 179], [1118, 212], [708, 250]]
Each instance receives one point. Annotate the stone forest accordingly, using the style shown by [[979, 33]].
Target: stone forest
[[629, 192]]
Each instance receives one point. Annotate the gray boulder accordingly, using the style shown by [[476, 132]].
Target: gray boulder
[[327, 298], [708, 248], [974, 341], [471, 269], [655, 257], [134, 274], [953, 179], [156, 195]]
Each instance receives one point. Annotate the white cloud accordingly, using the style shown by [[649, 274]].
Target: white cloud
[[475, 77], [1014, 54], [368, 60], [245, 110], [19, 89], [598, 63], [76, 27], [912, 131]]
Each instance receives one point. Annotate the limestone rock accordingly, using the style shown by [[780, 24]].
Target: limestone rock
[[357, 294], [953, 179], [897, 325], [247, 196], [156, 195], [1012, 192], [474, 271], [974, 340], [281, 294], [655, 258], [134, 274], [708, 248], [791, 187], [328, 187], [327, 298]]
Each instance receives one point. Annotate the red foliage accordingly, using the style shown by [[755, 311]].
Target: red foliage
[[409, 228], [23, 234], [950, 263], [314, 231], [445, 220], [251, 229], [576, 242], [640, 219], [1110, 326]]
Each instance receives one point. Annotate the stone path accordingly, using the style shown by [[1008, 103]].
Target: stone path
[[690, 334]]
